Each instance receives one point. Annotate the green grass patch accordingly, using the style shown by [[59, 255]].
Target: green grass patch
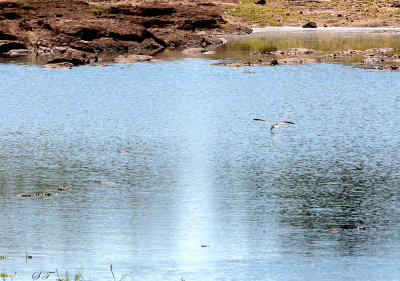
[[5, 275], [282, 12], [96, 11]]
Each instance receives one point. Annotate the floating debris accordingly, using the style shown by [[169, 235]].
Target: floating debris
[[62, 188], [205, 246], [121, 151], [107, 182], [337, 229], [33, 195]]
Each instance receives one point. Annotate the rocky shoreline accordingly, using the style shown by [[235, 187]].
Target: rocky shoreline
[[71, 33], [75, 32], [379, 58]]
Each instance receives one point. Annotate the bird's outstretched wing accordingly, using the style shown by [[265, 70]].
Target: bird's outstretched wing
[[283, 122], [256, 119]]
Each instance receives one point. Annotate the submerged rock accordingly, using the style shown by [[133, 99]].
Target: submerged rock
[[74, 57], [18, 52], [132, 58], [270, 62], [390, 67], [193, 51], [60, 65], [295, 52]]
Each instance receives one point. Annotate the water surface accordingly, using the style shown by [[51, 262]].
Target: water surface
[[199, 171]]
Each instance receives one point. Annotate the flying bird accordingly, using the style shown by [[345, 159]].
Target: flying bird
[[274, 125]]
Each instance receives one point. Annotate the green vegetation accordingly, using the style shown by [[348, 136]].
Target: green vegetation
[[4, 276], [65, 277], [96, 11], [99, 11], [283, 12], [269, 14], [31, 11]]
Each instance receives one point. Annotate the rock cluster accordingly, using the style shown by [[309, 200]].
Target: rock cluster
[[74, 32]]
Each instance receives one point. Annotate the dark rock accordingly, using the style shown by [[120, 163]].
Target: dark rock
[[260, 2], [5, 36], [7, 45], [310, 24], [75, 57], [12, 16], [396, 4]]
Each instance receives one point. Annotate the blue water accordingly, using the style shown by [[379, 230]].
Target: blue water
[[199, 171]]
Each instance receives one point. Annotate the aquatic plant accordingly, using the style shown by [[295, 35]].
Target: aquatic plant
[[4, 276], [27, 257], [65, 277], [112, 272]]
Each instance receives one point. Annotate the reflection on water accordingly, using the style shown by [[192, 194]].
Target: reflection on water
[[199, 171], [323, 39]]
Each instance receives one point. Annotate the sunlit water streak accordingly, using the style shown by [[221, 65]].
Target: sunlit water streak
[[198, 171]]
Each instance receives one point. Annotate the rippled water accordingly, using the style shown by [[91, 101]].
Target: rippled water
[[199, 171]]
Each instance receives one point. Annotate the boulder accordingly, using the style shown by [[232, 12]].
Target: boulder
[[310, 24], [75, 57]]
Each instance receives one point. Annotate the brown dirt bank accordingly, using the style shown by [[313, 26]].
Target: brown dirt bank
[[74, 31]]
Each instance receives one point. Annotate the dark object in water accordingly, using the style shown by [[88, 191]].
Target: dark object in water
[[33, 195], [337, 229], [205, 246], [310, 24], [62, 188]]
